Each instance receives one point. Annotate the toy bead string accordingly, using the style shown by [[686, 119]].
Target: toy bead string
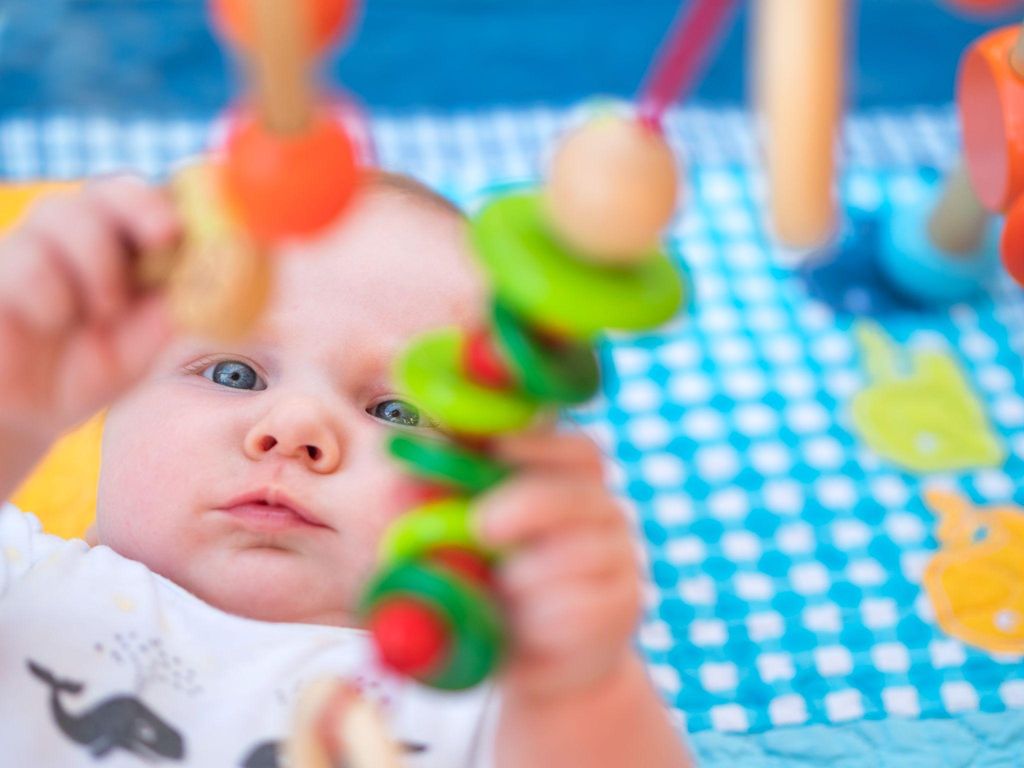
[[695, 33]]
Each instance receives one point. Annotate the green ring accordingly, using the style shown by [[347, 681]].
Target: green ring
[[446, 463], [473, 619], [431, 373], [566, 374], [541, 279], [444, 523]]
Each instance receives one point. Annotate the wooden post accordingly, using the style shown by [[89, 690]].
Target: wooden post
[[281, 65], [799, 80]]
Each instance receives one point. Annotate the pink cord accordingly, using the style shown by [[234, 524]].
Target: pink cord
[[694, 34]]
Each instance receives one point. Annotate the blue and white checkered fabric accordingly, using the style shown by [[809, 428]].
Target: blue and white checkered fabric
[[786, 557]]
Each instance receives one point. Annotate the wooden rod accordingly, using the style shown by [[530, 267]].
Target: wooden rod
[[281, 66]]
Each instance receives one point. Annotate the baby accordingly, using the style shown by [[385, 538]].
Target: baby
[[244, 490]]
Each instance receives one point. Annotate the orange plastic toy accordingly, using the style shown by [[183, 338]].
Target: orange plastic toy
[[289, 185], [991, 100]]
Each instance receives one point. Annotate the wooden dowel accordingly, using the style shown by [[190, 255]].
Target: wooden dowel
[[957, 223], [800, 80], [281, 69]]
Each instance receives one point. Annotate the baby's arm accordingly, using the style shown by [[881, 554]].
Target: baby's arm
[[74, 332], [575, 692]]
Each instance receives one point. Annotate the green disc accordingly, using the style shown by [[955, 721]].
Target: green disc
[[540, 279], [565, 372], [444, 523], [470, 614], [430, 372], [445, 463]]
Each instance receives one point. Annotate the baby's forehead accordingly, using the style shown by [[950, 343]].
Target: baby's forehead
[[397, 255]]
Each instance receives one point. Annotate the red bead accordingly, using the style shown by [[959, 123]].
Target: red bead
[[289, 186], [411, 638], [327, 20], [465, 563], [482, 361], [412, 493]]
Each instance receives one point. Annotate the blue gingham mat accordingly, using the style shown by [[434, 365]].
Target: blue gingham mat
[[786, 557]]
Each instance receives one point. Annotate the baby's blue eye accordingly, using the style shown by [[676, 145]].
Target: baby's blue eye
[[236, 374], [397, 412]]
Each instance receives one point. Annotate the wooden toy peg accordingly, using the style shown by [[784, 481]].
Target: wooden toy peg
[[799, 79], [281, 66]]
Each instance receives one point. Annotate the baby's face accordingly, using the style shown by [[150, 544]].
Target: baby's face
[[254, 475]]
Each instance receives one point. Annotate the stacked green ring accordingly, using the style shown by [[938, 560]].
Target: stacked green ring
[[444, 523], [565, 373], [541, 279], [431, 373], [447, 464], [470, 615]]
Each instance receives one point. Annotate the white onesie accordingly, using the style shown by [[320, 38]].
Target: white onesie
[[103, 662]]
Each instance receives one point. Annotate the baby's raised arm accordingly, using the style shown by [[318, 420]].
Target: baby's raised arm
[[75, 332]]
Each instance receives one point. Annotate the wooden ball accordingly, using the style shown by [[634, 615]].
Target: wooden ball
[[612, 189], [221, 281]]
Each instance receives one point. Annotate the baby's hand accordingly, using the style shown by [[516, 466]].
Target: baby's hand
[[571, 580], [74, 330]]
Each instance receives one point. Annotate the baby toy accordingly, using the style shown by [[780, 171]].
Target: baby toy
[[990, 92], [287, 170], [566, 262]]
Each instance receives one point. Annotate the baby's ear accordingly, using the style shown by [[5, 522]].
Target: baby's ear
[[92, 536]]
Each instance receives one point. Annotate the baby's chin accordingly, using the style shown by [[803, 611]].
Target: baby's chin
[[271, 585]]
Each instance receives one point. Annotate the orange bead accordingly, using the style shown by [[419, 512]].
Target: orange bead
[[1012, 244], [991, 99], [289, 186], [327, 19]]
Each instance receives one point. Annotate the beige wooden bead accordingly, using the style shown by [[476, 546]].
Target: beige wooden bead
[[612, 189], [221, 282], [331, 716]]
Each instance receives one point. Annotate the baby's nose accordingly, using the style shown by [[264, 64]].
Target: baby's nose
[[300, 429]]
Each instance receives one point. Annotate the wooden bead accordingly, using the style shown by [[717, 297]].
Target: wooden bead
[[991, 100], [332, 721], [612, 189], [221, 282]]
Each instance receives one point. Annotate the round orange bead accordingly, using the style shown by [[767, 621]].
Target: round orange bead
[[327, 20], [991, 100], [285, 186]]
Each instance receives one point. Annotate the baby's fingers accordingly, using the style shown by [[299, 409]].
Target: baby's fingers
[[35, 286], [145, 214], [557, 451], [590, 553], [78, 235], [582, 616], [536, 504]]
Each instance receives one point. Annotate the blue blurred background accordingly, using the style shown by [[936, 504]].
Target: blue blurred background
[[158, 58]]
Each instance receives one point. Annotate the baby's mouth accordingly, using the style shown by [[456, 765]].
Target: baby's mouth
[[270, 510]]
